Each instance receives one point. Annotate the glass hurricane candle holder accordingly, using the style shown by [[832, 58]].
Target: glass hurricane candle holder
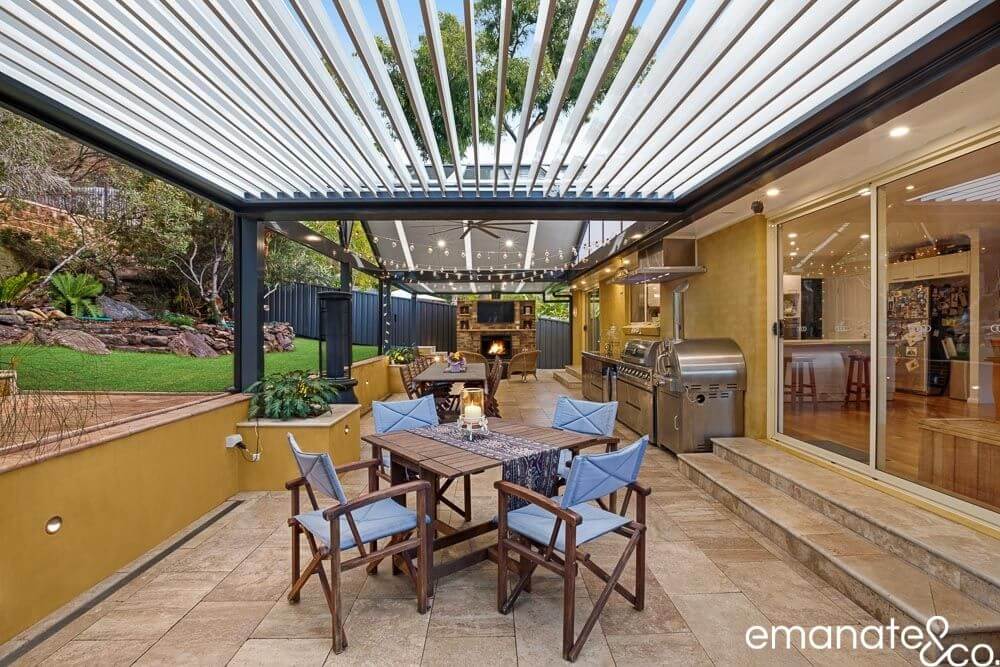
[[472, 412]]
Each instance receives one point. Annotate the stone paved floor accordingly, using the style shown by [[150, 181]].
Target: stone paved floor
[[221, 597]]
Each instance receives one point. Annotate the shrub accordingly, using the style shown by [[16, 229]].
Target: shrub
[[177, 319], [75, 292], [13, 288], [401, 355], [291, 395]]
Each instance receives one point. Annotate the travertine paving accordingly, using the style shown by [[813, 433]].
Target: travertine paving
[[220, 598]]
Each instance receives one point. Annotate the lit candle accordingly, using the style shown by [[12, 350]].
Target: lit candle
[[473, 413]]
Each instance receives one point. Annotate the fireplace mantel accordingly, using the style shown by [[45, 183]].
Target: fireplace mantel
[[469, 331]]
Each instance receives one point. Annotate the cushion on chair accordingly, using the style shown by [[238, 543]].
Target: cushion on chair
[[585, 416], [536, 523], [380, 519], [404, 415]]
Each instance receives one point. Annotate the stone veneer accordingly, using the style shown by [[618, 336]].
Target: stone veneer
[[521, 339]]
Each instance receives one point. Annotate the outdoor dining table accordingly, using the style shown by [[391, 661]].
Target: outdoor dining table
[[474, 375], [438, 463]]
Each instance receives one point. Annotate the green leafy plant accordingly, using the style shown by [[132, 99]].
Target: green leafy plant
[[75, 293], [291, 395], [401, 355], [177, 319], [13, 288]]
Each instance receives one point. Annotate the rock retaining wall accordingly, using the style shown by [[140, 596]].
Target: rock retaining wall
[[201, 340]]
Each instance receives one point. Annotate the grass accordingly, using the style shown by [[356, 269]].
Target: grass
[[59, 368]]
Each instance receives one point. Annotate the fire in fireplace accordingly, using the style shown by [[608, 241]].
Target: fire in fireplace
[[495, 346]]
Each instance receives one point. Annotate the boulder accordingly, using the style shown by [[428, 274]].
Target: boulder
[[31, 316], [74, 339], [56, 314], [9, 317], [191, 344], [156, 341], [121, 310], [9, 334], [114, 341]]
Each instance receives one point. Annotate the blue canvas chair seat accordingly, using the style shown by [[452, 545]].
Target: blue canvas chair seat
[[536, 523], [373, 516], [407, 415], [586, 417], [380, 519], [564, 523]]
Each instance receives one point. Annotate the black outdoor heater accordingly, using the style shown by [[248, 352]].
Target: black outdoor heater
[[335, 342]]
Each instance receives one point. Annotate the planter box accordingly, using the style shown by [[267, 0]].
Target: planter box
[[396, 379], [8, 383], [337, 433]]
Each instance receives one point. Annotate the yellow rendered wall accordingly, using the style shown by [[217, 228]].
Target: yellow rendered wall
[[579, 306], [117, 500], [373, 381], [729, 301]]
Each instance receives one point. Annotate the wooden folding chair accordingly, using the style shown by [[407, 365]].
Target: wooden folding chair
[[550, 531], [353, 524], [494, 373]]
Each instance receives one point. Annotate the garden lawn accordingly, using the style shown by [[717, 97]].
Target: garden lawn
[[59, 368]]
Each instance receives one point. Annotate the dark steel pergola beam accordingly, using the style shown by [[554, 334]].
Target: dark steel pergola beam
[[302, 234]]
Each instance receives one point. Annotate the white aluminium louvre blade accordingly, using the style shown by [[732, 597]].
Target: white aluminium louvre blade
[[248, 29], [614, 35], [575, 42], [502, 61], [694, 23], [178, 50], [315, 60], [432, 31], [364, 42], [400, 40], [658, 22], [753, 46], [94, 25], [35, 32], [833, 60], [712, 50], [470, 58], [546, 9], [245, 68], [783, 50], [43, 75]]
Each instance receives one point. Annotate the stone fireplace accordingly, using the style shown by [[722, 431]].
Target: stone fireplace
[[471, 335]]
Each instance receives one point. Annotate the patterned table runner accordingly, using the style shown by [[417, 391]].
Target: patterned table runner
[[525, 462]]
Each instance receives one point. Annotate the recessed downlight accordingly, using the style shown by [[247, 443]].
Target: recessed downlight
[[910, 187], [773, 192], [865, 237], [864, 192], [793, 235], [899, 131], [636, 236], [442, 243]]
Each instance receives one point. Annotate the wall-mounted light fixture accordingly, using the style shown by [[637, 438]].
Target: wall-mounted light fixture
[[53, 525]]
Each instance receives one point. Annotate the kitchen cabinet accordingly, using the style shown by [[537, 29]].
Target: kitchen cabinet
[[635, 407], [593, 381], [929, 268]]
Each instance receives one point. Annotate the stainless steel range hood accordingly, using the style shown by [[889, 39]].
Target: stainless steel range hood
[[675, 260]]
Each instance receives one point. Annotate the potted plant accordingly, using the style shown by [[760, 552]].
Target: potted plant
[[291, 395], [398, 357]]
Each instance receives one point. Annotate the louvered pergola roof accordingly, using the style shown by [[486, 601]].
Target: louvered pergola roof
[[251, 101]]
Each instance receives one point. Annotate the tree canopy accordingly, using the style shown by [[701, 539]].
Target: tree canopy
[[523, 20]]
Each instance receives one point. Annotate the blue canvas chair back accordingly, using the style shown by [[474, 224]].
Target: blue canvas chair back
[[585, 416], [596, 475], [404, 415], [318, 471]]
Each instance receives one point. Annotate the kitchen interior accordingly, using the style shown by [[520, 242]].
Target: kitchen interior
[[680, 391]]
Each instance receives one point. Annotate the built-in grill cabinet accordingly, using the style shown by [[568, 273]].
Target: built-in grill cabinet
[[699, 386]]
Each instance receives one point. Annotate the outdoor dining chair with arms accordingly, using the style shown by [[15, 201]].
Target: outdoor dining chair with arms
[[586, 417], [350, 524], [550, 532]]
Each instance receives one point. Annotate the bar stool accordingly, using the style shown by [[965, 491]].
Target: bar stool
[[858, 370], [795, 384]]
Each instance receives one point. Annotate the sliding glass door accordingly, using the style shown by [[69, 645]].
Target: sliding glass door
[[824, 341], [940, 327]]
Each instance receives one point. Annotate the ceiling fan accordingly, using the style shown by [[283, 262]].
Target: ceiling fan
[[489, 227]]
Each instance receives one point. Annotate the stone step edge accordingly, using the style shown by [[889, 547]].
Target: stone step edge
[[567, 380], [573, 371], [810, 554], [816, 502]]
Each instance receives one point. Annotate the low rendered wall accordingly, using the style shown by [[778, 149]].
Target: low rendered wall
[[123, 490]]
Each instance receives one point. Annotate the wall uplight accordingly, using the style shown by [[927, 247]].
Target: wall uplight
[[899, 131], [53, 525]]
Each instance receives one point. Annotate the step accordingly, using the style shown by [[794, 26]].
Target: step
[[881, 583], [574, 371], [567, 380], [960, 556]]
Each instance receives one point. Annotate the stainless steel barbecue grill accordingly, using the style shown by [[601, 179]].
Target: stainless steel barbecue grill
[[699, 387]]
